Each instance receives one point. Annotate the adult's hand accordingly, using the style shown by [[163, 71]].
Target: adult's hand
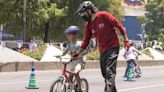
[[126, 44]]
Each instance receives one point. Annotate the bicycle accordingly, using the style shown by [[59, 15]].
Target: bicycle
[[64, 84], [133, 70], [130, 71]]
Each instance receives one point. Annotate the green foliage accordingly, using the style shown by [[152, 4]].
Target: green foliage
[[93, 55], [38, 13], [116, 8], [142, 19], [121, 39], [161, 35], [60, 14], [70, 18], [36, 54], [113, 6], [155, 12]]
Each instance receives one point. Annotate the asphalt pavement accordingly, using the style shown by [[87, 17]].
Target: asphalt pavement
[[152, 80]]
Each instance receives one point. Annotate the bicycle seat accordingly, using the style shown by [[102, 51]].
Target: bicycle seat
[[70, 72]]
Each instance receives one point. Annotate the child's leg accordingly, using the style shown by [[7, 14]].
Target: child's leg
[[76, 71], [126, 71], [71, 77], [71, 69], [78, 81], [136, 67]]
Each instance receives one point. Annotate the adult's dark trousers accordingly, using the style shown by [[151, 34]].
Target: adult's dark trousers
[[108, 63]]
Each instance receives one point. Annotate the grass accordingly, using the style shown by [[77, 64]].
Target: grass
[[94, 55]]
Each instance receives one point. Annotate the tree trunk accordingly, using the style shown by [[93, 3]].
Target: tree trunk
[[47, 37]]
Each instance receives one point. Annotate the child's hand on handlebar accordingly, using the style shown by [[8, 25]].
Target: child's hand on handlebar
[[140, 54], [58, 56], [75, 56]]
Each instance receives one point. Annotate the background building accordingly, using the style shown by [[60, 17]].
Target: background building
[[133, 9]]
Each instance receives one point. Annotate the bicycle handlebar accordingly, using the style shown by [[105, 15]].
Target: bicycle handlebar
[[60, 57]]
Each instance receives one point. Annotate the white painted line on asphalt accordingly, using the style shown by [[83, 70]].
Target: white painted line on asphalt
[[144, 87]]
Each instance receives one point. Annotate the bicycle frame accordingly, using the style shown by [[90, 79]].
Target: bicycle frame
[[68, 84], [64, 73]]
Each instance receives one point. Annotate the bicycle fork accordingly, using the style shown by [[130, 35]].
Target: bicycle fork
[[64, 81]]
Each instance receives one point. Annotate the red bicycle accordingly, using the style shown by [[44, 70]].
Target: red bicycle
[[64, 84]]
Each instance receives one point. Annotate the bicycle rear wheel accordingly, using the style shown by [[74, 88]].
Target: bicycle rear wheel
[[58, 86], [84, 85]]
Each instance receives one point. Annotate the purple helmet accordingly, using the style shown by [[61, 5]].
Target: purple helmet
[[72, 30]]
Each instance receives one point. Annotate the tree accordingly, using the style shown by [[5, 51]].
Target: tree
[[115, 7], [161, 35], [40, 16], [142, 19], [71, 18], [48, 18], [155, 11], [10, 15]]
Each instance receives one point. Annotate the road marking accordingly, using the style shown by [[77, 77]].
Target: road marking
[[144, 87]]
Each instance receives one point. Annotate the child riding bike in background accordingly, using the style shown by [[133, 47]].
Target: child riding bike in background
[[131, 58], [77, 64]]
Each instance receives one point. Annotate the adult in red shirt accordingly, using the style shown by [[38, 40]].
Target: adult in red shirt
[[103, 26]]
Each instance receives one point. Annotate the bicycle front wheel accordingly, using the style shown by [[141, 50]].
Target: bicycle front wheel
[[58, 86], [84, 85]]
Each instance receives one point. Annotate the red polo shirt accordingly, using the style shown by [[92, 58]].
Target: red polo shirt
[[103, 28]]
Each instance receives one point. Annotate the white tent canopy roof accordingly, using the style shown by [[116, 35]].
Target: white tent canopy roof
[[51, 52], [157, 55], [8, 55]]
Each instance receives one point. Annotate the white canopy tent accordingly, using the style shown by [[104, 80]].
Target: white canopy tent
[[156, 55], [7, 55], [51, 52]]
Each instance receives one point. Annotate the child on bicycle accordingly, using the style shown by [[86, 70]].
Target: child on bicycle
[[77, 64], [131, 58]]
